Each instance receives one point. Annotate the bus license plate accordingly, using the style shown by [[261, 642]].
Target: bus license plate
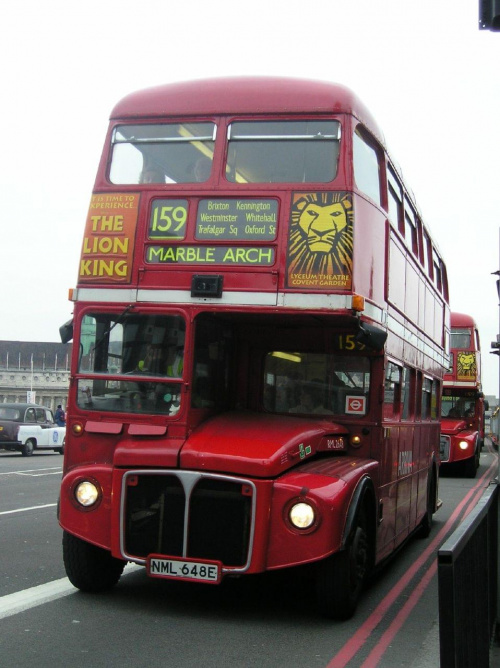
[[194, 570]]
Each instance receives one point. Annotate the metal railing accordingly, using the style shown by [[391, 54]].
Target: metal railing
[[468, 565]]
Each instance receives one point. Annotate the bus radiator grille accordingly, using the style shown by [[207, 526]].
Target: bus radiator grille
[[219, 519]]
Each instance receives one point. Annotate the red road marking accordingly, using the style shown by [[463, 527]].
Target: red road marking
[[356, 642]]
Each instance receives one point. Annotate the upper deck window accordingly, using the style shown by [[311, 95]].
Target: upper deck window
[[283, 151], [461, 338], [395, 198], [411, 227], [162, 153], [426, 253], [366, 167], [438, 277]]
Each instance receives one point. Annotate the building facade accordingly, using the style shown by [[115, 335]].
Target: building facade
[[34, 371]]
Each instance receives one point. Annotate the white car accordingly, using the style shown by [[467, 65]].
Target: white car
[[28, 427]]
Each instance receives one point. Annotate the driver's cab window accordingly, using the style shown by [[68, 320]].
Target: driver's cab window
[[131, 362]]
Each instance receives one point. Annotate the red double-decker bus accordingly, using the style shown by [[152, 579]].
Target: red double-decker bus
[[260, 327], [463, 404]]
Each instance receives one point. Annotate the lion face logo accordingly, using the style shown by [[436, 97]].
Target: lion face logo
[[466, 364], [321, 225], [321, 239]]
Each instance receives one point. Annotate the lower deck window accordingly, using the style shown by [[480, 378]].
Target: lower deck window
[[316, 383]]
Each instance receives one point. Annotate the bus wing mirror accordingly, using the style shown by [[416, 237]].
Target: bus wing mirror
[[66, 331], [371, 336]]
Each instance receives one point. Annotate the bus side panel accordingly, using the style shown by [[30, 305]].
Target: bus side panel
[[405, 459], [369, 250], [386, 444]]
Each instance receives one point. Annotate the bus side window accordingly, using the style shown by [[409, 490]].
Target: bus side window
[[395, 199], [408, 391], [411, 228], [366, 167], [426, 398], [392, 391], [435, 394]]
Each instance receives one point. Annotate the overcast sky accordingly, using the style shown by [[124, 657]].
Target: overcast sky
[[425, 70]]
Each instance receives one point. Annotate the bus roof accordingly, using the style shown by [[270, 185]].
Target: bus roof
[[462, 320], [245, 95]]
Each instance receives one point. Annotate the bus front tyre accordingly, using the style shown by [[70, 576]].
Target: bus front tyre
[[340, 577], [88, 567], [470, 466]]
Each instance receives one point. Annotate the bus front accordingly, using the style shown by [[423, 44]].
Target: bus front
[[221, 414], [463, 404]]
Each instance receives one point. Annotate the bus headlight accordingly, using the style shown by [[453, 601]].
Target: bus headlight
[[86, 493], [302, 515], [463, 445]]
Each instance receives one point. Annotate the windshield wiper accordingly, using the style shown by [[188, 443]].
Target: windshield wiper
[[119, 320]]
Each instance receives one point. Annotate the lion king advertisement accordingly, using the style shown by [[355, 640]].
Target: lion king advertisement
[[320, 241], [466, 366]]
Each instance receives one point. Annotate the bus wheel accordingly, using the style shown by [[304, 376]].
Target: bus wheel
[[27, 448], [88, 567], [470, 466], [341, 576]]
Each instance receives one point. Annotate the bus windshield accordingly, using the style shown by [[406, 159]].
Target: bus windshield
[[281, 151], [149, 347], [457, 406], [312, 383]]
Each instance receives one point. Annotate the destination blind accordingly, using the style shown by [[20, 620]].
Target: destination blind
[[242, 219], [246, 220], [228, 255]]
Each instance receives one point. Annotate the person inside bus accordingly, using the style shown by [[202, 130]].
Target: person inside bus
[[458, 410], [202, 168], [311, 400], [162, 361], [150, 361], [306, 401], [152, 175], [174, 361]]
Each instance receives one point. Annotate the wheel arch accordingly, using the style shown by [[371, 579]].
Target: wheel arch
[[363, 499]]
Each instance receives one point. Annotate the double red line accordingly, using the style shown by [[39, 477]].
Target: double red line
[[358, 640]]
